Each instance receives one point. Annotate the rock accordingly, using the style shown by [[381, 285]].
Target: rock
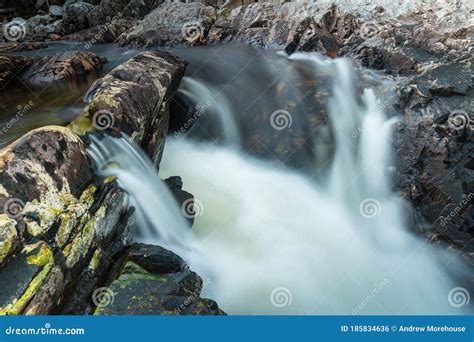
[[48, 295], [70, 64], [267, 24], [11, 66], [231, 4], [172, 23], [42, 25], [107, 33], [434, 148], [109, 9], [56, 11], [75, 16], [183, 198], [26, 46], [56, 208], [155, 259], [132, 98], [149, 286]]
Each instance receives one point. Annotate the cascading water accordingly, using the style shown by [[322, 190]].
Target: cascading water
[[270, 241], [200, 92], [157, 214]]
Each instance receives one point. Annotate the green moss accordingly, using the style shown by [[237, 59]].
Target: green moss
[[76, 211], [44, 256], [133, 272], [95, 261], [81, 125], [87, 196], [8, 234]]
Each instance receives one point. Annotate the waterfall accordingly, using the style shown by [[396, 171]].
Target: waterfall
[[201, 93], [158, 216], [267, 240]]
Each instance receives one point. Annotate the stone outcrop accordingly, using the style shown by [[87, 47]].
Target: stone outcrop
[[133, 98], [53, 220], [65, 237]]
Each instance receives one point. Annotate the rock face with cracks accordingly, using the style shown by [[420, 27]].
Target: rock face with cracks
[[63, 235]]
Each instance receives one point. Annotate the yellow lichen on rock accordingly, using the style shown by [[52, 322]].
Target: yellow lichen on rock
[[8, 234]]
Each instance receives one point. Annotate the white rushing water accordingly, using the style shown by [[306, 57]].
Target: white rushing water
[[218, 107], [268, 240]]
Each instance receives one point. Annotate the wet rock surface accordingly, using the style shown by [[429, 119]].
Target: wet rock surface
[[62, 237], [133, 98], [155, 281], [67, 65]]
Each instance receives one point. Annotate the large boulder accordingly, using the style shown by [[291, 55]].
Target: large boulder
[[66, 65], [133, 99], [173, 23], [53, 222]]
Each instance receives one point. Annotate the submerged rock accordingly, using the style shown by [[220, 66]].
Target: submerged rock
[[67, 65]]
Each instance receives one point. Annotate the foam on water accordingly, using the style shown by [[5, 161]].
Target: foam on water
[[268, 240]]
